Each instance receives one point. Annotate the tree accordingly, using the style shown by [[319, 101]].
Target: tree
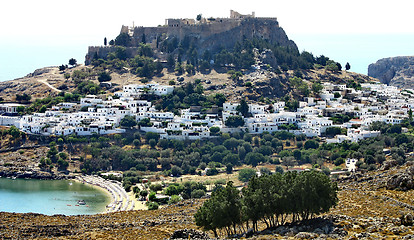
[[128, 121], [243, 108], [14, 132], [143, 194], [214, 130], [72, 62], [317, 87], [62, 67], [246, 173], [199, 17], [152, 143], [222, 210], [235, 121], [123, 39], [311, 144], [104, 77], [254, 158], [23, 98], [170, 62], [347, 66], [42, 109], [105, 41]]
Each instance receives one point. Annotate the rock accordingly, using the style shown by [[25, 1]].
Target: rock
[[389, 164], [281, 230], [318, 231], [409, 236], [306, 235], [395, 71], [249, 232], [407, 220], [189, 234], [402, 180]]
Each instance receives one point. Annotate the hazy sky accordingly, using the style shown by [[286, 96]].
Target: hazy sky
[[87, 22]]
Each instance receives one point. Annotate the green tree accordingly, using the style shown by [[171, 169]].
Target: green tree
[[14, 132], [199, 17], [104, 76], [170, 61], [42, 109], [347, 66], [246, 173], [254, 158], [317, 87], [243, 108], [123, 39], [128, 121], [72, 62], [221, 211], [235, 121]]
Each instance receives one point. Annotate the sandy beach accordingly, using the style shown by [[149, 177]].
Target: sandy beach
[[120, 199]]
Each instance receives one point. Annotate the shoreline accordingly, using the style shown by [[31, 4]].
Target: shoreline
[[120, 200]]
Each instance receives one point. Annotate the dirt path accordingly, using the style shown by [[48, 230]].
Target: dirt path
[[47, 84]]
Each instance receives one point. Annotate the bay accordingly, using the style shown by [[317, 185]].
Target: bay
[[51, 197]]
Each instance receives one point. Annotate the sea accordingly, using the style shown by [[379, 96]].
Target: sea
[[19, 59], [51, 197]]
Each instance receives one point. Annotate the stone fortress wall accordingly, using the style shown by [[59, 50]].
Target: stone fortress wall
[[210, 33]]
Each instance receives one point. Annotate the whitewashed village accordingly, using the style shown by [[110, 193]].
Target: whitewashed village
[[375, 102]]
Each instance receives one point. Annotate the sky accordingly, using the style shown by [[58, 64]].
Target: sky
[[36, 32]]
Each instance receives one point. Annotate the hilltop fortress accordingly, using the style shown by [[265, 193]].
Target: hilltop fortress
[[210, 34]]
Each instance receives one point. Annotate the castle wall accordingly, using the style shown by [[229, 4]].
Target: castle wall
[[102, 52], [212, 34]]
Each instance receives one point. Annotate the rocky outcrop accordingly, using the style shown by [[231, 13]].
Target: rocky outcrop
[[189, 234], [402, 180], [213, 36], [394, 71]]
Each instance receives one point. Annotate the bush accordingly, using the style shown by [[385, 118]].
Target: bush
[[104, 77], [199, 193], [153, 206], [155, 187], [211, 172], [174, 199]]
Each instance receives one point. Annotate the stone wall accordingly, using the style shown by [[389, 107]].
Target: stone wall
[[102, 52], [212, 36]]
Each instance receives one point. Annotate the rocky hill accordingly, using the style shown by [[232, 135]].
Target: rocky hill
[[394, 71], [49, 81]]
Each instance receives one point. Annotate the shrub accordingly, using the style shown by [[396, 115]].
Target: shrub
[[174, 199], [153, 206]]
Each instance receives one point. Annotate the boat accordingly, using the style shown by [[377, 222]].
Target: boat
[[14, 178], [81, 202], [70, 183]]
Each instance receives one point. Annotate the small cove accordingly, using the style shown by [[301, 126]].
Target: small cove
[[51, 197]]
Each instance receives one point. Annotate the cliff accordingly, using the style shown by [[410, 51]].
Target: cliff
[[395, 71], [212, 36]]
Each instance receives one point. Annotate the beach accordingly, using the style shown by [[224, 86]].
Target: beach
[[120, 199]]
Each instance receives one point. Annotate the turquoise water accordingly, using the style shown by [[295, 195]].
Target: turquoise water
[[50, 197]]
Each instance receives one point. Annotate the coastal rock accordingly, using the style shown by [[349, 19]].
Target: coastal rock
[[394, 71]]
